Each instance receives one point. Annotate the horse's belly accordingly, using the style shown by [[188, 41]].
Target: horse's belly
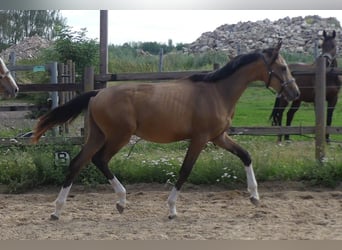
[[163, 133]]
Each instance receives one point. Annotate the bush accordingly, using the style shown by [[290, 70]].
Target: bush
[[18, 172]]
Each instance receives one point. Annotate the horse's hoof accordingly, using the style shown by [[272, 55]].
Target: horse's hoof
[[54, 217], [171, 217], [255, 201], [120, 208]]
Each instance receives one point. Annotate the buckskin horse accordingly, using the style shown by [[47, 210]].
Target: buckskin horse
[[8, 87], [198, 108], [306, 84]]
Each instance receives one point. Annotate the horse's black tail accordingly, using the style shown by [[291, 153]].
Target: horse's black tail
[[67, 112], [275, 115]]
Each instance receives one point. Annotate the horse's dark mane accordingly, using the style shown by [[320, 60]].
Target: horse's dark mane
[[231, 67]]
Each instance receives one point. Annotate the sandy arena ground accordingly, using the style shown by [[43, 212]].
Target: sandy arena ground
[[287, 211]]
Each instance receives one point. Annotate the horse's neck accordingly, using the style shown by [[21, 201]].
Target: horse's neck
[[232, 87]]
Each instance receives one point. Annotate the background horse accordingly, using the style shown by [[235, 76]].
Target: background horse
[[306, 84], [198, 108], [8, 87]]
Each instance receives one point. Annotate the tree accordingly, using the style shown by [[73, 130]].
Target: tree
[[15, 25], [76, 46]]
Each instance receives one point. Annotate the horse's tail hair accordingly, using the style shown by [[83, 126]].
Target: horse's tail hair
[[274, 117], [67, 112]]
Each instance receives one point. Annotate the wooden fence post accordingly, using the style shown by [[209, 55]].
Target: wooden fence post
[[320, 112], [103, 44], [88, 86], [161, 59], [54, 94], [12, 62]]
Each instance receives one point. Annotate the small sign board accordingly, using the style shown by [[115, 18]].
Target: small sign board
[[38, 68], [62, 159]]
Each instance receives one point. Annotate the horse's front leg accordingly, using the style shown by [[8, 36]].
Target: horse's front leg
[[224, 141], [192, 154]]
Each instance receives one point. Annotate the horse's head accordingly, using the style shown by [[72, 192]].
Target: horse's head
[[279, 74], [329, 47], [8, 87]]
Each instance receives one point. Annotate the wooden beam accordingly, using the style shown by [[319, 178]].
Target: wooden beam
[[42, 141], [24, 108], [280, 130], [50, 87], [298, 69], [146, 76]]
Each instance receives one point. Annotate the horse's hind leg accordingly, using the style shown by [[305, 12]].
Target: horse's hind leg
[[101, 159], [93, 144], [330, 110], [74, 168], [277, 113], [225, 142], [290, 114]]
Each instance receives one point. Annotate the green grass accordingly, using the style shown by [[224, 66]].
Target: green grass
[[22, 168]]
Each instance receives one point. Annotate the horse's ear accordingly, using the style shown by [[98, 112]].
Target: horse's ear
[[280, 42], [334, 34], [324, 33], [277, 48]]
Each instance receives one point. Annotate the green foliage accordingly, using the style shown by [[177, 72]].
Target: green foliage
[[18, 172], [15, 25], [75, 46], [297, 58], [22, 167], [125, 59], [27, 167]]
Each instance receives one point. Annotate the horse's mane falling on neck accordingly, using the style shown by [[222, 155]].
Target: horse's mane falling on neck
[[231, 67]]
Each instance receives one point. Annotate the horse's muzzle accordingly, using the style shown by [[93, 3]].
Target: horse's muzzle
[[290, 90]]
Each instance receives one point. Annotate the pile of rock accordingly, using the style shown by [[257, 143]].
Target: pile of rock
[[299, 35], [28, 48]]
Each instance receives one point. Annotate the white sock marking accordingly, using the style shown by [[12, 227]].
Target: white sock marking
[[171, 201], [251, 181], [120, 190], [61, 199]]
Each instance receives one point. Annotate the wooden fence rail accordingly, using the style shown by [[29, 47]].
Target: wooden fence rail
[[280, 130]]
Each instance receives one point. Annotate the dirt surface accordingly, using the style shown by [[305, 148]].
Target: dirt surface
[[287, 211]]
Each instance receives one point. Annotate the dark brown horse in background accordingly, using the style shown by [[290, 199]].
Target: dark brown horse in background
[[306, 85], [198, 108]]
